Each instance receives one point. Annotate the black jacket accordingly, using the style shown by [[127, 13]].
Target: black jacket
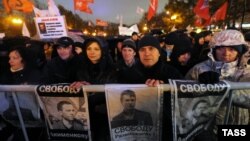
[[60, 71]]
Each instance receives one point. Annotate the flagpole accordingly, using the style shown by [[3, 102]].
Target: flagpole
[[229, 11], [74, 13], [243, 14]]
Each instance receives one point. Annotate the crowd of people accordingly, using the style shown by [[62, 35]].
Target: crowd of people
[[149, 59]]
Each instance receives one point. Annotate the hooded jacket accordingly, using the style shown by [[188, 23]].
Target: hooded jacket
[[236, 71]]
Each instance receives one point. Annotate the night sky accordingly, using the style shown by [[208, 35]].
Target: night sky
[[109, 9]]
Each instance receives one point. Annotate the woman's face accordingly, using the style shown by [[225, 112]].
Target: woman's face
[[94, 52], [15, 60], [226, 54]]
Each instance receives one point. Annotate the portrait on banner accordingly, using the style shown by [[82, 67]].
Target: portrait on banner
[[133, 113]]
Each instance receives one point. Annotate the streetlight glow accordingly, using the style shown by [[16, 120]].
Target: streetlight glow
[[173, 17], [16, 21]]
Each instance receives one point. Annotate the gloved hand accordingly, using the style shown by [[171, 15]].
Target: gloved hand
[[209, 77]]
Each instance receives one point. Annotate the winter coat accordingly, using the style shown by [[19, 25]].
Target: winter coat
[[24, 76], [139, 74], [60, 71], [236, 71], [160, 71]]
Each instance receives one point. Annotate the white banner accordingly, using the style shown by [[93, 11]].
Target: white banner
[[134, 112], [66, 112], [51, 27]]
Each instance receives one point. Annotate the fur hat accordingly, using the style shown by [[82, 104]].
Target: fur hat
[[149, 40]]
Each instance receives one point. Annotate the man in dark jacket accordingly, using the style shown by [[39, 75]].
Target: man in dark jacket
[[152, 70], [130, 115], [62, 68]]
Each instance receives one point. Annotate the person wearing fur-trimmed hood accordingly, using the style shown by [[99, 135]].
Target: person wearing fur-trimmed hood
[[226, 62]]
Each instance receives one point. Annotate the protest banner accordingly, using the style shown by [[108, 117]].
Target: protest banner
[[51, 27], [195, 106], [66, 112], [134, 112]]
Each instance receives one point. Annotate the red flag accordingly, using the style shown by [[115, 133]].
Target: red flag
[[201, 22], [100, 22], [152, 9], [82, 5], [25, 6], [198, 22], [202, 9], [220, 14]]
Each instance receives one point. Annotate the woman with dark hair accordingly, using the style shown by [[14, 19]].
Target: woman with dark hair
[[21, 71], [97, 68]]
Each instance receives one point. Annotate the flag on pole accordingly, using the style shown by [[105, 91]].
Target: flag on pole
[[25, 6], [139, 10], [82, 5], [25, 30], [40, 13], [53, 10], [198, 21], [152, 9], [202, 9], [100, 22], [221, 13]]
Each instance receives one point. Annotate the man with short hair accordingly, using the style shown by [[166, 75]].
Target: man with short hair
[[68, 121], [62, 68], [130, 115], [152, 71]]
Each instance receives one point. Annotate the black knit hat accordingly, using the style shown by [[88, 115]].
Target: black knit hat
[[129, 43], [134, 33], [149, 40], [64, 42]]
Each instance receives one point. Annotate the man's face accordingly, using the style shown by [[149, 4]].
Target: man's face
[[128, 102], [68, 112], [199, 110], [226, 54], [64, 52], [149, 56], [128, 54]]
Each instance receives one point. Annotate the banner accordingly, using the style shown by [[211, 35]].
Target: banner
[[100, 22], [221, 13], [53, 9], [134, 112], [27, 102], [152, 9], [25, 6], [51, 27], [202, 9], [82, 5], [139, 10], [66, 112], [195, 106]]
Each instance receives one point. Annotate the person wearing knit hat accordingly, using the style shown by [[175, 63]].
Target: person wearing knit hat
[[152, 71], [129, 43], [224, 63], [149, 44], [129, 58]]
